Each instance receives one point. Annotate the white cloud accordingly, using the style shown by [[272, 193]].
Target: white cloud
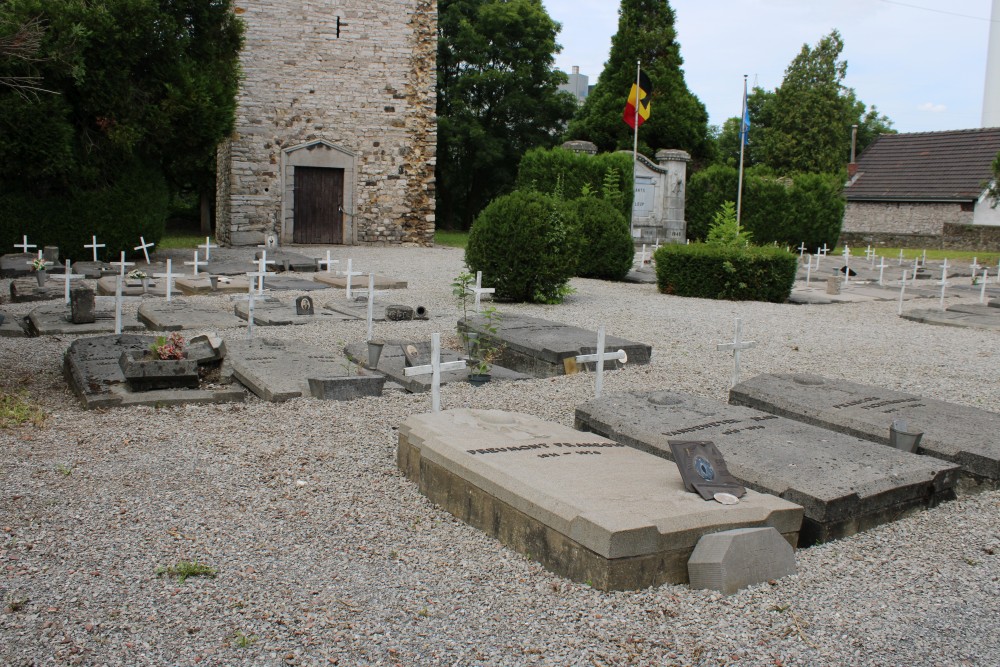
[[933, 108]]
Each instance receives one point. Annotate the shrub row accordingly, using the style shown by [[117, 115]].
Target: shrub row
[[788, 210], [567, 174], [738, 274]]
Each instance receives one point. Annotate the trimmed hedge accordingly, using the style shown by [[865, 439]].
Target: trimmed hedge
[[524, 247], [738, 274], [552, 169], [607, 250], [135, 205], [784, 210]]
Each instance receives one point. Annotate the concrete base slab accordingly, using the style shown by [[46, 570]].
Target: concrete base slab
[[845, 484], [541, 347], [107, 285], [292, 283], [954, 433], [16, 264], [585, 507], [734, 559], [93, 372], [272, 312], [94, 270], [11, 326], [358, 282], [179, 314], [392, 363], [227, 267], [288, 261], [280, 370], [957, 317], [27, 291], [53, 319], [203, 285]]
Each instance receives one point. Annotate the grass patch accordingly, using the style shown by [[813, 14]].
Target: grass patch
[[243, 640], [180, 241], [17, 409], [185, 569], [987, 260], [452, 239]]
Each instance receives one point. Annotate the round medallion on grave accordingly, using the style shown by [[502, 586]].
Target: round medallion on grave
[[704, 468], [663, 398], [808, 380]]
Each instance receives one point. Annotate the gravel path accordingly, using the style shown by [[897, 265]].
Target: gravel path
[[325, 554]]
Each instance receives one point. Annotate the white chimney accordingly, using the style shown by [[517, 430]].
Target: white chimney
[[991, 94]]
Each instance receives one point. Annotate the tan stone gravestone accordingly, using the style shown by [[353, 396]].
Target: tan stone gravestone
[[584, 506]]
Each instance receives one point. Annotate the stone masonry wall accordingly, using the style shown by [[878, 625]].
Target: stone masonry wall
[[912, 225], [369, 91]]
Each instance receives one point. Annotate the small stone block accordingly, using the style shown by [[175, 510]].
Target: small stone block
[[206, 349], [346, 388], [143, 373], [734, 559], [82, 305], [304, 306], [398, 313]]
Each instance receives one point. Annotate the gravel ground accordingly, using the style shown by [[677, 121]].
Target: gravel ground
[[325, 554]]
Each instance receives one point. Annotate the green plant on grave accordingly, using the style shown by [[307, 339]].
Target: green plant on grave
[[725, 231], [39, 264], [169, 347], [482, 348], [184, 569]]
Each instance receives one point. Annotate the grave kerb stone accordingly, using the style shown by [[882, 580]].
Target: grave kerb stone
[[732, 560]]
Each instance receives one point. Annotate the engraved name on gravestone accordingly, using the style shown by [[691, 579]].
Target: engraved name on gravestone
[[956, 433]]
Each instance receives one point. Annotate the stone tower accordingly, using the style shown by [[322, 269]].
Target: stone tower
[[335, 127]]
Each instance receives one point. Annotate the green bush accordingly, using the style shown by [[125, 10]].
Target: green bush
[[714, 272], [567, 174], [118, 214], [606, 250], [784, 210], [524, 247]]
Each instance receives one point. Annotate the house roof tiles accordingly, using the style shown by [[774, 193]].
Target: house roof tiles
[[926, 166]]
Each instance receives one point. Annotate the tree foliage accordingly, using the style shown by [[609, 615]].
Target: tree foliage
[[497, 97], [147, 84], [678, 119], [995, 185], [805, 124], [570, 173]]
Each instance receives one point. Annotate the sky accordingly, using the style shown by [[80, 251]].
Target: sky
[[921, 62]]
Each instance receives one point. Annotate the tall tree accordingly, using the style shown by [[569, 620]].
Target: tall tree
[[497, 97], [805, 124], [135, 81], [678, 118]]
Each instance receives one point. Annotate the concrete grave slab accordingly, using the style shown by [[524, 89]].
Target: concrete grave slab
[[288, 261], [358, 309], [107, 285], [280, 370], [954, 433], [94, 270], [844, 484], [584, 506], [274, 312], [53, 319], [227, 267], [182, 314], [541, 347], [93, 371], [16, 264], [734, 559], [27, 291], [11, 326], [292, 283], [392, 363], [969, 317], [202, 285], [359, 282]]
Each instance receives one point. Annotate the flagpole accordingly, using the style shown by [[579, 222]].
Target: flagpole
[[635, 145], [743, 143]]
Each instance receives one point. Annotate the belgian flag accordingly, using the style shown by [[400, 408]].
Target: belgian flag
[[638, 95]]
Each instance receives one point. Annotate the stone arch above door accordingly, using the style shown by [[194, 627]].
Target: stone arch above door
[[323, 155]]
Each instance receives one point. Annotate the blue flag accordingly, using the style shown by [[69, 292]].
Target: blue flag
[[745, 126]]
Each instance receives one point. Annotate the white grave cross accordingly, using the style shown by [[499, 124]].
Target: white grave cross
[[328, 263], [479, 290], [847, 264], [350, 273], [259, 274], [737, 346], [119, 279], [802, 250], [944, 281], [982, 288], [68, 277], [208, 247], [144, 247], [169, 276], [902, 291], [824, 251], [600, 357], [435, 368], [900, 257], [24, 245], [882, 266], [195, 264], [121, 264], [94, 245]]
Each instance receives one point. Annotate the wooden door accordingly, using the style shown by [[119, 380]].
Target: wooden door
[[319, 204]]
